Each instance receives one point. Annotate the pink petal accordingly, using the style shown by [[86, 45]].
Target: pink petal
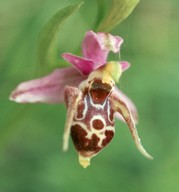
[[96, 46], [84, 66], [128, 102], [48, 89], [93, 48], [125, 65]]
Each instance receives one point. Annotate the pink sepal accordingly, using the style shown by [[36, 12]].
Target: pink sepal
[[48, 89], [96, 46]]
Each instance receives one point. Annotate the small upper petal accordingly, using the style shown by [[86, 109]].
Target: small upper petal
[[96, 46], [125, 65], [83, 65], [48, 89]]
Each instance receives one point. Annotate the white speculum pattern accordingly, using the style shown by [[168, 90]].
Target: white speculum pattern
[[87, 126]]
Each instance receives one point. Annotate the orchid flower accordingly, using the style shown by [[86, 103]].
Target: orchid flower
[[91, 97]]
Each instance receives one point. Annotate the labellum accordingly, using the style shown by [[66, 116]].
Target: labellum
[[90, 113], [91, 103]]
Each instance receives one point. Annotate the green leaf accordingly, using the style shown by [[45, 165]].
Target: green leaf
[[101, 12], [48, 35], [119, 10]]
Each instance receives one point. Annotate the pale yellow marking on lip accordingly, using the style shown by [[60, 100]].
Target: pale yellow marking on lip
[[84, 161]]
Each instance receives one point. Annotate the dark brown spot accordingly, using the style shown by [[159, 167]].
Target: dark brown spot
[[86, 147], [80, 109], [111, 115], [93, 144], [98, 124], [109, 135], [78, 136], [99, 91]]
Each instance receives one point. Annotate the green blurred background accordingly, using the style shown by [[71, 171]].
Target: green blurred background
[[31, 159]]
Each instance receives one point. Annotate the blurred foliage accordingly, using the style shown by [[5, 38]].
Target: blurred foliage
[[48, 36], [118, 11], [31, 158]]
